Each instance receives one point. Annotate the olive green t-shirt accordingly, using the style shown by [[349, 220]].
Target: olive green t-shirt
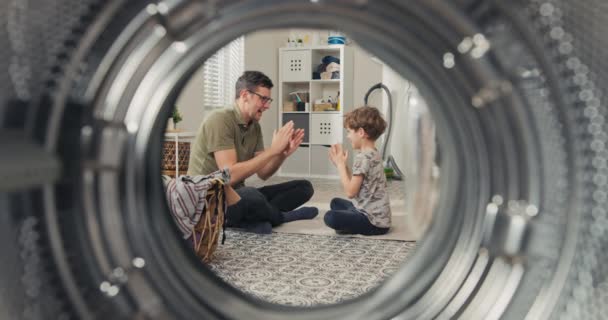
[[224, 129]]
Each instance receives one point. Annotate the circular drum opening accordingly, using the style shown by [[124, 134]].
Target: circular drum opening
[[308, 262], [517, 119]]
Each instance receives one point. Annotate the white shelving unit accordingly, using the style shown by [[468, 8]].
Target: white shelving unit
[[322, 128]]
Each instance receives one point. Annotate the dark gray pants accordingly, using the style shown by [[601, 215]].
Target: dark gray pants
[[345, 218], [266, 204]]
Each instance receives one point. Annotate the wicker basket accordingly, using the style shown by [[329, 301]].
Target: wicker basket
[[207, 231], [183, 154]]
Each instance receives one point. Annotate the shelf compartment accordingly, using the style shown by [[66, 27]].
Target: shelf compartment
[[326, 128], [300, 120], [289, 101], [322, 166], [325, 81], [323, 90], [317, 59], [296, 65], [298, 163]]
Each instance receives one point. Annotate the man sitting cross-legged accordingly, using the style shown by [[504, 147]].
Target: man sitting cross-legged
[[232, 138]]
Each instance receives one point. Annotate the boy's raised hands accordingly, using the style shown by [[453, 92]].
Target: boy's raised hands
[[338, 155]]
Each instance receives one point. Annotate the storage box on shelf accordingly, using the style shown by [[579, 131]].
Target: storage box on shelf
[[315, 101]]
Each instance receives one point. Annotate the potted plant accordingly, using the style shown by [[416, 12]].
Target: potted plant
[[176, 117]]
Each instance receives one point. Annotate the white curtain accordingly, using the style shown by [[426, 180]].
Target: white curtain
[[220, 74]]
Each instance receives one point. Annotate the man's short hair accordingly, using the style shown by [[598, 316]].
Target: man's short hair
[[368, 118], [250, 80]]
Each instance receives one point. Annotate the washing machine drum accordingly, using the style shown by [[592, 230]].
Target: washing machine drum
[[517, 92]]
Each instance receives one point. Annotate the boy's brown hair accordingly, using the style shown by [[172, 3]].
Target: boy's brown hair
[[368, 118]]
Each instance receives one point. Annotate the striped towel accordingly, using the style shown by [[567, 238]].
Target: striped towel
[[186, 197]]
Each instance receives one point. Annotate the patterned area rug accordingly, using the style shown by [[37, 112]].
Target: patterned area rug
[[306, 270]]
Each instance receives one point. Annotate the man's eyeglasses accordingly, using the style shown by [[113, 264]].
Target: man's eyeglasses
[[264, 99]]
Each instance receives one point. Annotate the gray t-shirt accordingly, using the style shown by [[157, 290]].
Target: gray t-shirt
[[372, 198]]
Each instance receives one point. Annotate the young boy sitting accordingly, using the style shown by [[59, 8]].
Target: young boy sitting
[[371, 213]]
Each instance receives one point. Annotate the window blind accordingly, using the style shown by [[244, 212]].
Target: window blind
[[220, 74]]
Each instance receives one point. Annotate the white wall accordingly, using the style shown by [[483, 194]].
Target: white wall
[[190, 103], [261, 53], [398, 87], [409, 110], [367, 73], [412, 145]]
